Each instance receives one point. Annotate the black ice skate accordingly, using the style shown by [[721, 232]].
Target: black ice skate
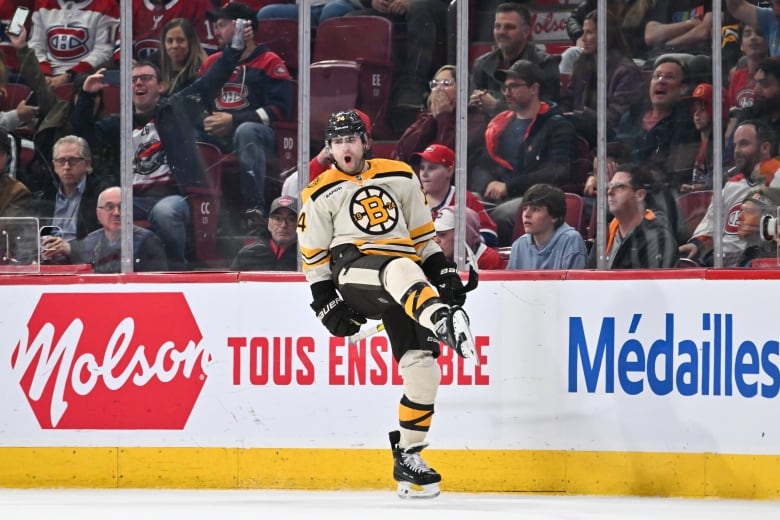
[[415, 478], [452, 327]]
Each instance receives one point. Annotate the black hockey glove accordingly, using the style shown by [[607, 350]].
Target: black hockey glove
[[338, 317], [443, 274]]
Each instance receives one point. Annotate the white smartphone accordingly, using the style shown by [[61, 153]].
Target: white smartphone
[[18, 21]]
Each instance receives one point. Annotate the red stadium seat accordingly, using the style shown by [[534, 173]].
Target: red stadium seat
[[334, 87], [281, 36], [112, 101], [205, 203], [367, 41]]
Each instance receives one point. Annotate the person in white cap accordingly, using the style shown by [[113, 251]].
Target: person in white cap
[[487, 257]]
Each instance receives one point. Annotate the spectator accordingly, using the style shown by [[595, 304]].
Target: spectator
[[102, 248], [532, 142], [181, 55], [53, 123], [764, 19], [637, 237], [71, 39], [436, 169], [662, 136], [424, 22], [680, 27], [624, 80], [165, 156], [512, 33], [701, 111], [12, 119], [321, 10], [150, 16], [741, 83], [766, 106], [549, 242], [487, 257], [633, 16], [14, 195], [279, 251], [437, 123], [71, 206], [754, 144], [758, 202], [258, 93]]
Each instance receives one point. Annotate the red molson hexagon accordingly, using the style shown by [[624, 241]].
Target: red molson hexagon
[[111, 361]]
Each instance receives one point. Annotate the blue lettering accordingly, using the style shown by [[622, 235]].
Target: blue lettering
[[716, 365], [578, 349]]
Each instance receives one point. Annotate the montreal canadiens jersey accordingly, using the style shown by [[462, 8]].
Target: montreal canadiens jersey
[[150, 18], [78, 36], [382, 211]]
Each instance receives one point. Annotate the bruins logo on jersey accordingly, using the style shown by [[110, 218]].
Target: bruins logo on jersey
[[373, 210]]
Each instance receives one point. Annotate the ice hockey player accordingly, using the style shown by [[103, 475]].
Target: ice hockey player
[[366, 239]]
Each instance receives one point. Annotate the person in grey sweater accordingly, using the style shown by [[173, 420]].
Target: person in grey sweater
[[549, 242]]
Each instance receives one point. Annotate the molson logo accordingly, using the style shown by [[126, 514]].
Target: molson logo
[[111, 361]]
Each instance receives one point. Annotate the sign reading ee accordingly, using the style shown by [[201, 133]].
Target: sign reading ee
[[111, 361]]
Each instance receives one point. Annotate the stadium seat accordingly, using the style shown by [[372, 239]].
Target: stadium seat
[[112, 100], [281, 36], [205, 205], [367, 41], [692, 207], [334, 87]]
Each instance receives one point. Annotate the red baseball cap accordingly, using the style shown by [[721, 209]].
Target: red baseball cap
[[703, 92], [435, 153]]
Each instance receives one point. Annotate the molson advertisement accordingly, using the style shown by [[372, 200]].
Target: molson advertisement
[[587, 384]]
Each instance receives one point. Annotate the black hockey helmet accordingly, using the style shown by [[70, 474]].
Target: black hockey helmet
[[343, 123]]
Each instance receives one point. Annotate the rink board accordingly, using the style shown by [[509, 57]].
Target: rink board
[[591, 383]]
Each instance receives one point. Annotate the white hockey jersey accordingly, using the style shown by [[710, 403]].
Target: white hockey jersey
[[382, 211], [69, 35], [734, 192]]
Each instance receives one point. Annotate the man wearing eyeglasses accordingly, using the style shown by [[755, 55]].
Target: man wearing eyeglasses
[[638, 237], [512, 35], [102, 247], [278, 251], [77, 191], [166, 162], [530, 143]]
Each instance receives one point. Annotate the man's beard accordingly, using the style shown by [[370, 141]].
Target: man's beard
[[765, 106]]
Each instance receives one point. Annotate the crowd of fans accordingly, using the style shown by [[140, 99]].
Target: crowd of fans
[[531, 124]]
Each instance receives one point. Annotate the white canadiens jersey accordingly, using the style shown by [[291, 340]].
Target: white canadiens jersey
[[382, 211], [68, 34], [734, 192]]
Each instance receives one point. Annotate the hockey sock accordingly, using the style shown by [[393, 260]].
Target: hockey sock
[[421, 382]]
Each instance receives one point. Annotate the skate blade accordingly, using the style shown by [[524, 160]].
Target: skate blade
[[465, 338], [414, 491]]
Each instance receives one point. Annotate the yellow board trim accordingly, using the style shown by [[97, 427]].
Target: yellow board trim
[[558, 472]]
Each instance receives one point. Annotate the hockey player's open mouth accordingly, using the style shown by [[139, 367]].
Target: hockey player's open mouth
[[348, 159]]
